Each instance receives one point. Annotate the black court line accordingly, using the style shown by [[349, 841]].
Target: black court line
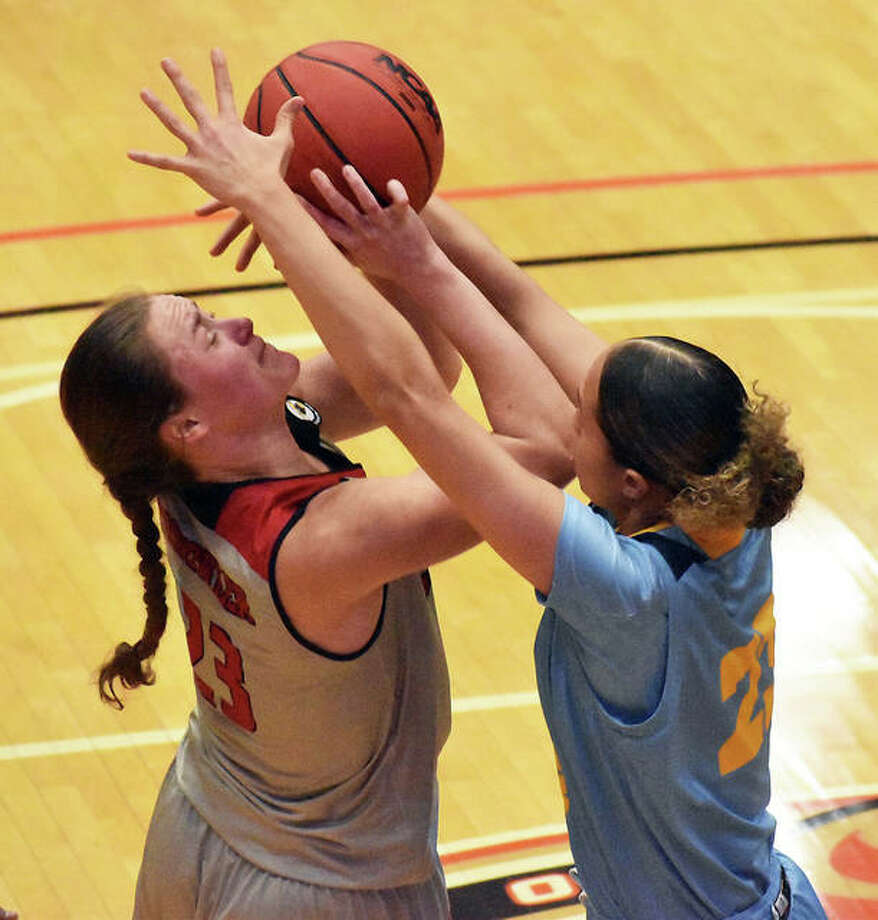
[[544, 262], [840, 813]]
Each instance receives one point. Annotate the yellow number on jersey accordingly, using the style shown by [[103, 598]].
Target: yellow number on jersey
[[745, 662]]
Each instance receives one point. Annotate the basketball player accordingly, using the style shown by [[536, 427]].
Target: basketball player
[[655, 652], [305, 784]]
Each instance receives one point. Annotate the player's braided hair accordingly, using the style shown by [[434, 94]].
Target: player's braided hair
[[680, 416], [116, 391]]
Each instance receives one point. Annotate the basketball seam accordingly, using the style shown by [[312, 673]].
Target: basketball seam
[[387, 96], [325, 134]]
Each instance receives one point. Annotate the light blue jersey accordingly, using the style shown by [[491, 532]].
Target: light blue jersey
[[655, 667]]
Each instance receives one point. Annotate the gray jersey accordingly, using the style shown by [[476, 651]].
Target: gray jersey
[[314, 766]]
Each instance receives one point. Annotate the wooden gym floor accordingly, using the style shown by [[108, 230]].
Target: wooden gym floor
[[696, 169]]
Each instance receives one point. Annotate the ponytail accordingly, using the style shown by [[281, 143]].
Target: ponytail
[[130, 663], [757, 488], [116, 390], [776, 465]]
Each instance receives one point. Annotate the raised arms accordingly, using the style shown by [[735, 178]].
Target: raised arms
[[375, 348], [566, 346]]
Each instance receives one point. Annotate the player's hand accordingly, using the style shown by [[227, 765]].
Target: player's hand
[[230, 162], [385, 242], [234, 228]]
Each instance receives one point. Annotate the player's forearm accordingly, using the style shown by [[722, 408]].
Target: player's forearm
[[520, 395], [565, 345], [374, 347], [470, 249], [445, 356]]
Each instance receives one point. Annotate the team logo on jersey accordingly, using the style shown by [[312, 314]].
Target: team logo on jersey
[[303, 411]]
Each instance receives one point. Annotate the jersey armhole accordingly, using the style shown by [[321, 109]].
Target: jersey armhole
[[285, 617]]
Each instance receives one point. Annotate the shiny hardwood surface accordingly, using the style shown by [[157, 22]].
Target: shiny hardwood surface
[[663, 108]]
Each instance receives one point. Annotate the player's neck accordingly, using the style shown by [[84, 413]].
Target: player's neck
[[269, 454]]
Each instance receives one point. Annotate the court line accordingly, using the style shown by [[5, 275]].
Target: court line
[[28, 394], [836, 303], [541, 262], [647, 180], [698, 249], [35, 369], [525, 865], [495, 701], [542, 835], [64, 746], [31, 749], [90, 743], [789, 171], [851, 302]]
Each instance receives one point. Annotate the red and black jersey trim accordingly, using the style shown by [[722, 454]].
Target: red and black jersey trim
[[256, 515], [207, 500]]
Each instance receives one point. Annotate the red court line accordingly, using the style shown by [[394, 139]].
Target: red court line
[[790, 171], [107, 226], [500, 849]]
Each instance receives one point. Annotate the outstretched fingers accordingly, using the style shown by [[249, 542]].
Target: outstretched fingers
[[337, 230], [167, 117], [248, 250], [286, 115], [158, 160], [340, 206], [173, 124], [235, 227], [190, 96], [282, 135], [222, 81], [210, 208], [399, 198], [365, 199]]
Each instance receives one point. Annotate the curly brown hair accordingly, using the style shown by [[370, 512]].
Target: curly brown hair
[[758, 487]]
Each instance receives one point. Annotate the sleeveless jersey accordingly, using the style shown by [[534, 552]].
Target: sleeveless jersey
[[315, 766], [666, 812]]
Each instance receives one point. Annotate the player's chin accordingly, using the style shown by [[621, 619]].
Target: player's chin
[[291, 364]]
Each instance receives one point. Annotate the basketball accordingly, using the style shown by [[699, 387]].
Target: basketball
[[363, 106]]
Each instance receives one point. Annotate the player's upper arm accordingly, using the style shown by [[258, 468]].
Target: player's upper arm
[[322, 384], [344, 414], [354, 538]]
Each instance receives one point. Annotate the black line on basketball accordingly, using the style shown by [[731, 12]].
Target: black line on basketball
[[381, 199], [387, 96], [259, 109]]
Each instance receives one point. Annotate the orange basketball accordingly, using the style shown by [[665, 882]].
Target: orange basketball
[[364, 106]]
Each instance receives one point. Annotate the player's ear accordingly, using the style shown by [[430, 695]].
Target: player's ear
[[181, 430], [635, 486]]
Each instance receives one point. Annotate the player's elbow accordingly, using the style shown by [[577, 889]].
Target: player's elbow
[[406, 399], [546, 454], [450, 368]]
